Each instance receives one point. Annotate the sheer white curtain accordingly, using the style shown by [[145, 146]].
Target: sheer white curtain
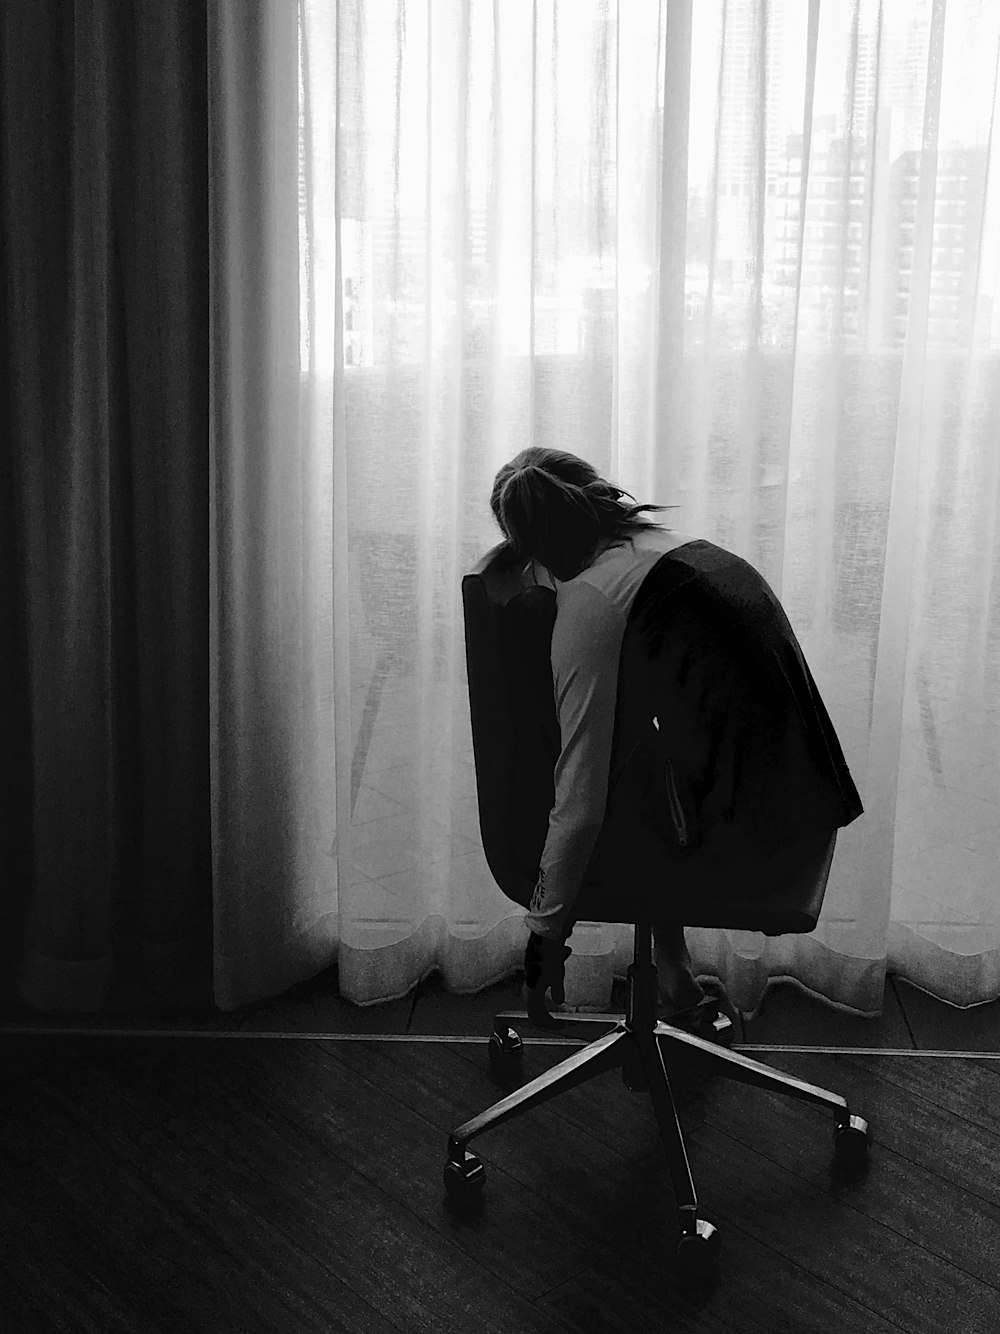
[[740, 254]]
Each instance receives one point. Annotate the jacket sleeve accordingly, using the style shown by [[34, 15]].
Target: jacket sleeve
[[586, 646]]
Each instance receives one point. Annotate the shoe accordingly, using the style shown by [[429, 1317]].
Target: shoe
[[695, 1019], [727, 1011], [714, 1019]]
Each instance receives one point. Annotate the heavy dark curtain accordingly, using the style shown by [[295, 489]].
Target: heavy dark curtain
[[105, 870]]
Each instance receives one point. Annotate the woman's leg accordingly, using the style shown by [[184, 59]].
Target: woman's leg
[[676, 985]]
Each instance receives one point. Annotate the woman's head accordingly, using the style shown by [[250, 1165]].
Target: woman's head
[[554, 507]]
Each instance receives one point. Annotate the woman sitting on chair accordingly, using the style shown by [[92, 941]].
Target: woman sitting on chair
[[576, 536]]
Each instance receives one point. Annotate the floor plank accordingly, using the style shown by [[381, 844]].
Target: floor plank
[[284, 1231], [255, 1184]]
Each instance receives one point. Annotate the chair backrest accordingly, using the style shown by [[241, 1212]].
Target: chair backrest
[[690, 793], [487, 590]]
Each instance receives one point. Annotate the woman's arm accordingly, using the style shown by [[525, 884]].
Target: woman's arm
[[586, 646]]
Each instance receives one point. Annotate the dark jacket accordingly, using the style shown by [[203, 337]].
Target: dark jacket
[[725, 761]]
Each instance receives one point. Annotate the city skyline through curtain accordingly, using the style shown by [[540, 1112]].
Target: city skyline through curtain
[[741, 256]]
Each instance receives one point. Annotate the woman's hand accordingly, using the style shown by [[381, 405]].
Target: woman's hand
[[544, 969]]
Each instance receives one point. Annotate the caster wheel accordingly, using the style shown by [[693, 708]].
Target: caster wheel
[[505, 1050], [464, 1181], [850, 1143], [697, 1253]]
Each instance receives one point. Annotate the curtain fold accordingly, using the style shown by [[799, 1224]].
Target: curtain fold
[[742, 256], [103, 170], [271, 591]]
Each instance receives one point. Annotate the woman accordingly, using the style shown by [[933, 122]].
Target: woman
[[577, 536]]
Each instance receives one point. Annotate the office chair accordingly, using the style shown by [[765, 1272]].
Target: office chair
[[670, 849]]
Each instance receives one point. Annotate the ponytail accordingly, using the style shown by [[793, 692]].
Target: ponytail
[[553, 506]]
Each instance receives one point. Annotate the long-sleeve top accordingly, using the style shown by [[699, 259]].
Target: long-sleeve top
[[591, 614]]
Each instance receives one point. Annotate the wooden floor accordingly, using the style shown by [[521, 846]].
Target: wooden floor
[[217, 1183]]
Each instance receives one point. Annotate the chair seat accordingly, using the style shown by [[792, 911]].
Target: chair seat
[[797, 883]]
